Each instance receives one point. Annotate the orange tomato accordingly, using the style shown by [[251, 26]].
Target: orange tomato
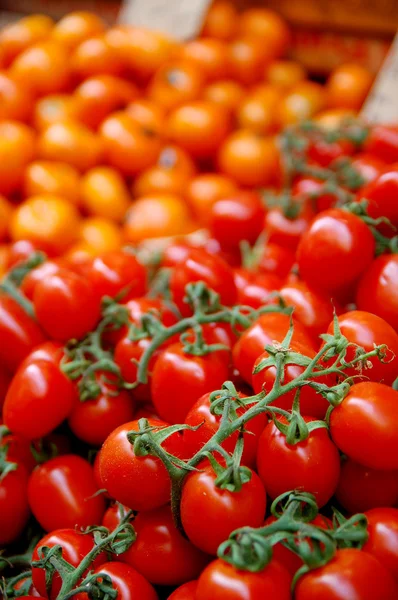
[[74, 28], [44, 68], [198, 127], [284, 74], [226, 93], [52, 178], [100, 95], [147, 114], [348, 86], [249, 159], [95, 56], [17, 148], [332, 118], [53, 109], [301, 103], [257, 113], [221, 21], [6, 210], [247, 58], [50, 222], [267, 26], [128, 146], [204, 190], [100, 235], [15, 100], [175, 83], [18, 36], [104, 193], [72, 143], [209, 55], [156, 216]]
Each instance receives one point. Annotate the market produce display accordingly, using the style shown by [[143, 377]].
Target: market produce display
[[198, 318]]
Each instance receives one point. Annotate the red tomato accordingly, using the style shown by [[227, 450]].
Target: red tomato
[[285, 230], [311, 191], [14, 507], [139, 307], [368, 166], [221, 511], [186, 591], [93, 420], [335, 251], [179, 379], [382, 142], [19, 333], [18, 450], [40, 396], [311, 403], [276, 259], [311, 466], [200, 265], [254, 288], [34, 277], [324, 152], [221, 581], [350, 574], [139, 482], [376, 291], [236, 218], [118, 273], [383, 537], [200, 414], [361, 488], [381, 195], [66, 305], [130, 584], [368, 330], [5, 379], [75, 546], [160, 553], [265, 330], [364, 426], [62, 491]]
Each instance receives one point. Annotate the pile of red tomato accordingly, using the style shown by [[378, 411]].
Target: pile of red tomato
[[155, 401]]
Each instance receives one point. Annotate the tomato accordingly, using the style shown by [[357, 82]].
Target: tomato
[[43, 67], [383, 537], [40, 396], [16, 102], [221, 581], [348, 86], [227, 93], [19, 333], [17, 148], [247, 59], [179, 379], [335, 251], [147, 114], [160, 553], [52, 178], [286, 230], [257, 113], [254, 289], [268, 26], [362, 488], [265, 330], [221, 20], [368, 166], [75, 546], [187, 591], [77, 26], [95, 56], [284, 74], [18, 36], [380, 194], [204, 190], [350, 574], [382, 142], [364, 428], [93, 420], [14, 507], [303, 101], [237, 218], [98, 235], [139, 482], [310, 191], [18, 449], [198, 127], [130, 585], [72, 143], [275, 259], [375, 291], [324, 153], [105, 194], [221, 511], [54, 108], [117, 274], [175, 83], [5, 379], [312, 465]]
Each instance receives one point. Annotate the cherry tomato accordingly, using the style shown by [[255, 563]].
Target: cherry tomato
[[221, 581], [247, 59], [382, 142], [237, 218], [104, 193], [139, 482], [186, 591], [117, 274], [77, 26], [368, 166], [221, 511], [350, 573], [302, 102], [43, 67], [254, 289], [311, 191], [221, 21], [227, 93], [52, 178], [312, 465], [16, 102], [18, 36], [383, 537], [128, 582], [284, 74], [266, 25], [71, 142], [5, 379], [348, 86], [14, 507], [95, 56], [176, 83], [276, 259], [204, 190], [375, 291], [17, 149], [380, 194]]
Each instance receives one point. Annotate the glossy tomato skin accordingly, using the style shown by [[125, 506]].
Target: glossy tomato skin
[[75, 546], [160, 553], [14, 507], [128, 351], [200, 414], [186, 591], [221, 511], [335, 251], [221, 581], [286, 231], [5, 379], [367, 330], [254, 289], [40, 396], [62, 491], [381, 199], [382, 142], [139, 482], [200, 265], [350, 574], [383, 537], [30, 281], [179, 379], [66, 306], [266, 329], [19, 333], [312, 465], [137, 308], [117, 273], [362, 488], [367, 414], [237, 218], [130, 584], [276, 259], [376, 291]]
